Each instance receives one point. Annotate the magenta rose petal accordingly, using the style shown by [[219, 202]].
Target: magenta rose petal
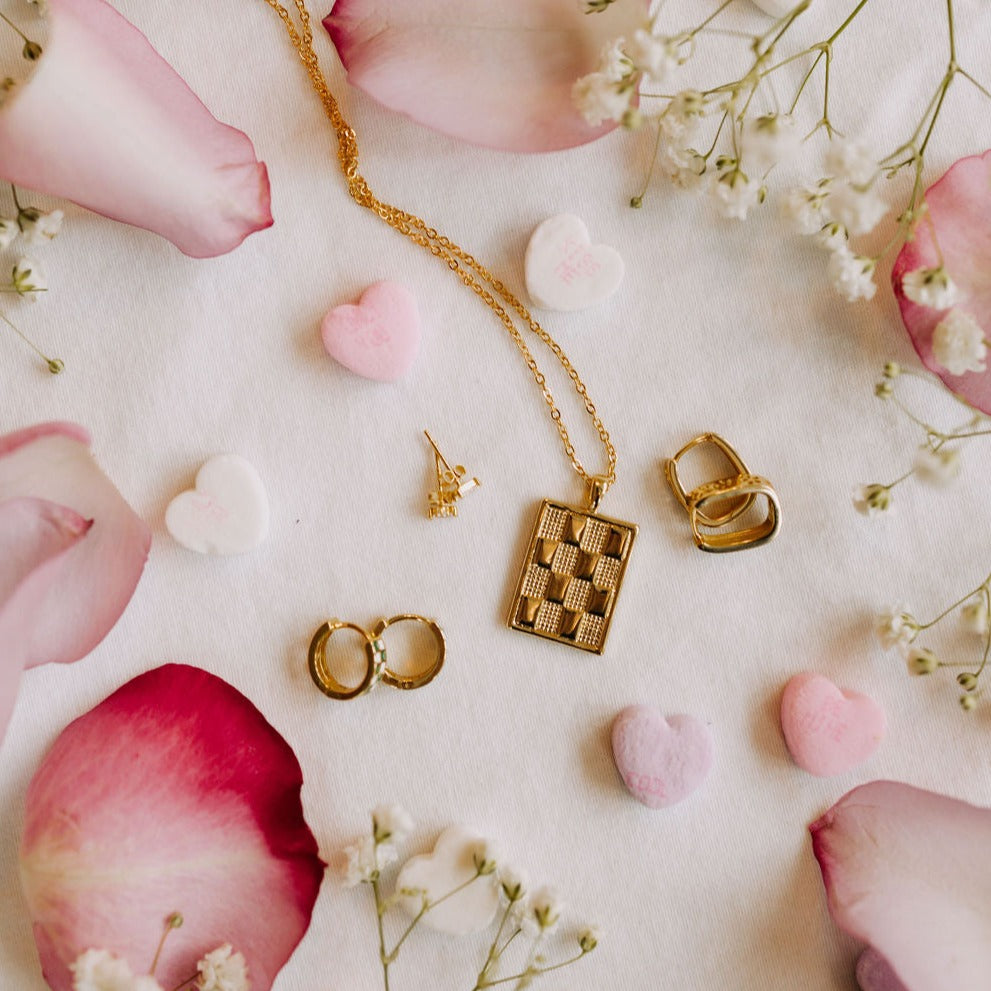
[[959, 211], [35, 536], [106, 122], [907, 871], [172, 795], [497, 74], [97, 577]]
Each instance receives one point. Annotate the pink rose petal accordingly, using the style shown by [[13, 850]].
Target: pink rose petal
[[173, 794], [908, 872], [960, 212], [97, 578], [35, 536], [874, 973], [493, 72], [106, 122]]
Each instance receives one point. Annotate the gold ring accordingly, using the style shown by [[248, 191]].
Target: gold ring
[[737, 492], [320, 672], [430, 670]]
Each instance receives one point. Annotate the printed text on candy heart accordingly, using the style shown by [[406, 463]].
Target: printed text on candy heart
[[646, 784], [577, 262]]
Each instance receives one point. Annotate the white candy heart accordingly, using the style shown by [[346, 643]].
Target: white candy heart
[[564, 271], [450, 865], [226, 513]]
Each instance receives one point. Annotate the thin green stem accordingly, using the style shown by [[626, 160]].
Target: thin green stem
[[17, 202], [973, 81], [378, 917], [188, 980], [987, 635], [14, 27], [493, 955], [427, 907], [55, 365], [637, 200], [856, 10], [534, 971], [949, 22], [709, 19], [946, 612], [900, 479], [805, 80]]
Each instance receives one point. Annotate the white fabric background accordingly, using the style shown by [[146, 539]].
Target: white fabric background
[[718, 326]]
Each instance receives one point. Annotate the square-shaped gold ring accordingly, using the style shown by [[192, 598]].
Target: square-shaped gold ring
[[700, 510]]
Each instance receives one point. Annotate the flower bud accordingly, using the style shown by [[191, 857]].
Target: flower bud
[[921, 660], [967, 680], [588, 939], [968, 703]]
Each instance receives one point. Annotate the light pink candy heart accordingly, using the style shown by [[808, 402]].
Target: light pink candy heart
[[661, 761], [379, 337], [829, 730]]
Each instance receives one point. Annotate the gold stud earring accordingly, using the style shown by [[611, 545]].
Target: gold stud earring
[[451, 485]]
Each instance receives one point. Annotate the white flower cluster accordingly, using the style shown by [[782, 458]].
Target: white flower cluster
[[98, 970], [364, 860], [30, 228]]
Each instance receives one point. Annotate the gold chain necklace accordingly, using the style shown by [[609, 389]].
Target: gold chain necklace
[[576, 559]]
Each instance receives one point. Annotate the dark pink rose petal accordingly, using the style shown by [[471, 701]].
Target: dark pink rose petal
[[907, 871], [874, 973], [106, 122], [97, 577], [35, 536], [173, 794], [494, 72], [960, 212]]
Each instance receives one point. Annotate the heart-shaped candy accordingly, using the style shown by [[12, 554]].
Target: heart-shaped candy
[[449, 865], [829, 730], [564, 271], [661, 761], [379, 337], [227, 511]]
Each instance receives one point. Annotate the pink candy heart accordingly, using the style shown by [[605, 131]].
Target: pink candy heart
[[379, 337], [661, 761], [829, 730]]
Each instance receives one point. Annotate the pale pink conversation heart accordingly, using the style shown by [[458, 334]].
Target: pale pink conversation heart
[[565, 271], [829, 730], [661, 761], [379, 337]]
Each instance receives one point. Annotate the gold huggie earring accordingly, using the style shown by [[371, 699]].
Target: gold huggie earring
[[376, 669], [735, 494], [450, 486]]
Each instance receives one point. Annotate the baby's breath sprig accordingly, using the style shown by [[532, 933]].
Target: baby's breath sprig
[[750, 132], [533, 917], [898, 628], [937, 460]]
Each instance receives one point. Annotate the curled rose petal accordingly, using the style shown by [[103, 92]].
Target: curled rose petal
[[172, 795], [497, 74], [907, 871], [874, 973], [97, 577], [35, 535], [958, 225], [106, 122]]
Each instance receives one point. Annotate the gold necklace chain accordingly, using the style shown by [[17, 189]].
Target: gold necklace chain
[[471, 272]]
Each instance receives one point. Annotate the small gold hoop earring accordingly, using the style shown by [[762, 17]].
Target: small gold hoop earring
[[429, 671], [716, 504], [320, 671]]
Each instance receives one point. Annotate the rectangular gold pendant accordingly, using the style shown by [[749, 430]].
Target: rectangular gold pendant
[[571, 576]]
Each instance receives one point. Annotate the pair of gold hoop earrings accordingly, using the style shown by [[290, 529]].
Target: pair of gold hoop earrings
[[714, 505], [376, 657]]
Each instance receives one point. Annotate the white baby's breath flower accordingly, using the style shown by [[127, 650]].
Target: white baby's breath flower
[[39, 227], [614, 62], [921, 660], [27, 279], [512, 883], [768, 140], [484, 857], [391, 822], [833, 237], [936, 467], [869, 500], [98, 970], [657, 57], [543, 912], [959, 344], [852, 275], [803, 207], [974, 616], [850, 160], [361, 861], [222, 970], [588, 938], [9, 230], [735, 194], [930, 287], [599, 98], [896, 628], [859, 211]]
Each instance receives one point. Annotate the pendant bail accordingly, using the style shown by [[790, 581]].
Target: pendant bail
[[597, 486]]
